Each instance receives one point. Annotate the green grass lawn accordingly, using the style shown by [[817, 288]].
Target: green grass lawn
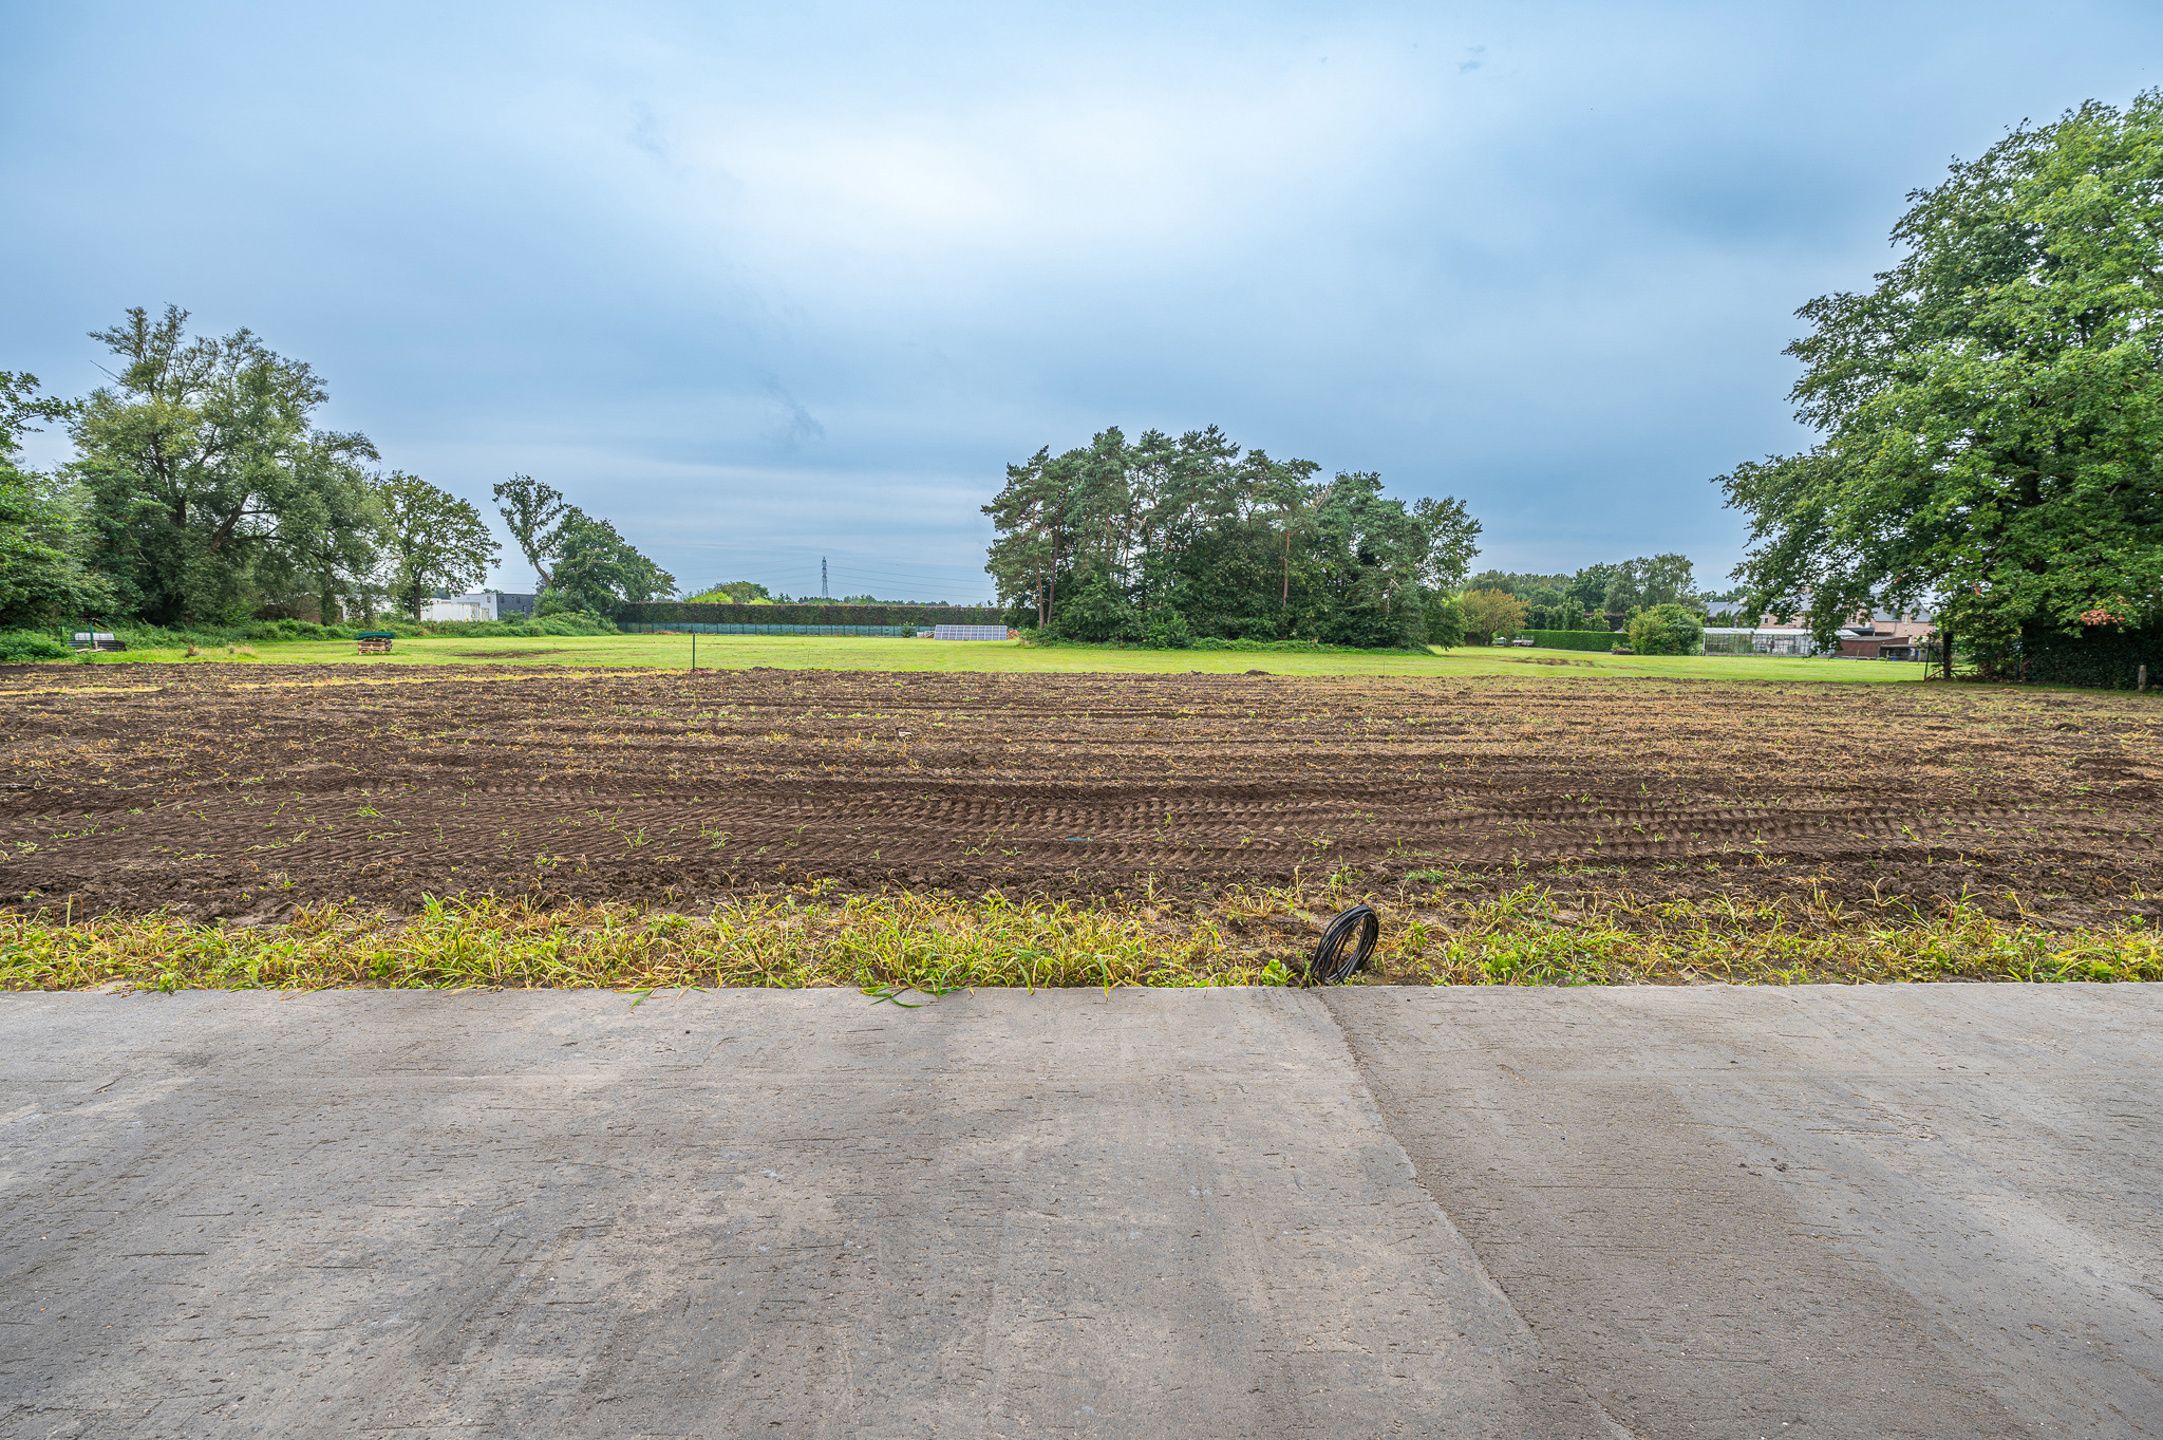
[[862, 652]]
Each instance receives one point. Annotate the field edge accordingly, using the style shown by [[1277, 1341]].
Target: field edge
[[899, 941]]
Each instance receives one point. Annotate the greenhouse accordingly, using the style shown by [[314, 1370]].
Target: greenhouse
[[1761, 640]]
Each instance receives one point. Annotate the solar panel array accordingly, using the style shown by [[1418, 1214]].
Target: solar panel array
[[968, 632]]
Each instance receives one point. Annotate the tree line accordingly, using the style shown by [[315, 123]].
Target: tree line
[[1597, 597], [1165, 540], [203, 489]]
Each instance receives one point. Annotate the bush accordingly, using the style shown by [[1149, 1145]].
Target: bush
[[1572, 639], [1249, 627], [157, 637], [19, 647], [1098, 611], [288, 630], [1370, 627], [569, 622], [1666, 630], [1264, 647], [1168, 631]]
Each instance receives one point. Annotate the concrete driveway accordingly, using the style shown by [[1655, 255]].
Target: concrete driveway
[[1927, 1211]]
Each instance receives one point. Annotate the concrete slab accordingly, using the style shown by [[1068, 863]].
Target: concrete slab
[[742, 1214], [1927, 1211], [1871, 1211]]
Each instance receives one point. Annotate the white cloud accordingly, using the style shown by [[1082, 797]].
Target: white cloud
[[1057, 174]]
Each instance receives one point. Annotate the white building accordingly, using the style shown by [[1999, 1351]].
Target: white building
[[481, 605]]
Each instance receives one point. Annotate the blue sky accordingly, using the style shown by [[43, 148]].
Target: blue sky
[[768, 283]]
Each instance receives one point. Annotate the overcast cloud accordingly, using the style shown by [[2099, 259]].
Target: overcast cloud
[[766, 286]]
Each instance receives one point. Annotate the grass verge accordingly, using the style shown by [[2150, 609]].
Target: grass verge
[[934, 943], [867, 652]]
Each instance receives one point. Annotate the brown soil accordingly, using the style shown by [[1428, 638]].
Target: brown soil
[[245, 791]]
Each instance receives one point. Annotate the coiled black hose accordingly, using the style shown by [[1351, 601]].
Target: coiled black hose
[[1346, 943]]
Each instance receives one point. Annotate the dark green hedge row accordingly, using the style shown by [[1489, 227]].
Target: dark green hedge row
[[687, 612], [700, 627], [2101, 659], [1575, 639]]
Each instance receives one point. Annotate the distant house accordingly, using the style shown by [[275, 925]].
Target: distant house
[[1869, 636], [1887, 637], [481, 605]]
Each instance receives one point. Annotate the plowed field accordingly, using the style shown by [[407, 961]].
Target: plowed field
[[246, 791]]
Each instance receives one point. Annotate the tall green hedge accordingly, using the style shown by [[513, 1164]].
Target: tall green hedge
[[689, 612], [2100, 657], [1574, 639]]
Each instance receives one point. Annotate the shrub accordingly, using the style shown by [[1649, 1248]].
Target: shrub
[[157, 637], [1249, 627], [1098, 611], [296, 630], [1259, 647], [562, 622], [19, 647], [569, 622], [1666, 630], [1368, 626], [1168, 631]]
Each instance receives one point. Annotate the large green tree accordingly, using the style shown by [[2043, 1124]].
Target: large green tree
[[431, 540], [596, 569], [534, 512], [211, 489], [1991, 410], [43, 537]]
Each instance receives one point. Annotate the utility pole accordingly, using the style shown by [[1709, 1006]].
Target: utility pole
[[825, 591]]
